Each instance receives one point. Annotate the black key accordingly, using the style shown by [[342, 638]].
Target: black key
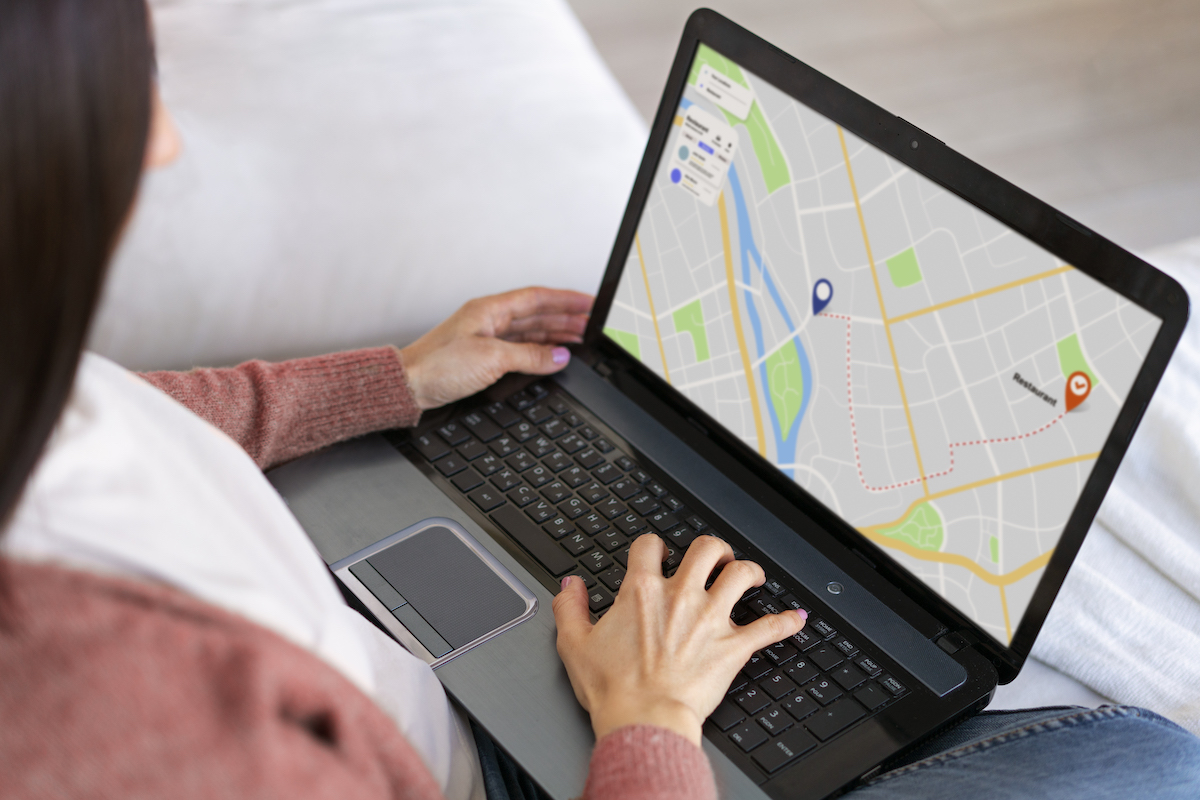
[[521, 400], [606, 473], [868, 665], [592, 523], [681, 536], [587, 432], [538, 391], [845, 646], [801, 671], [523, 431], [537, 414], [597, 561], [589, 457], [454, 433], [604, 446], [776, 684], [538, 476], [612, 578], [504, 446], [505, 479], [781, 652], [575, 476], [821, 628], [831, 721], [486, 498], [622, 556], [573, 419], [644, 504], [784, 750], [451, 466], [663, 521], [673, 558], [630, 524], [753, 700], [522, 496], [750, 593], [501, 414], [765, 605], [625, 488], [774, 587], [430, 446], [804, 641], [540, 511], [792, 602], [534, 539], [625, 463], [611, 508], [588, 580], [540, 446], [892, 685], [558, 527], [466, 481], [612, 541], [774, 721], [826, 657], [848, 676], [481, 426], [657, 489], [471, 449], [726, 716], [871, 696], [697, 523], [488, 464], [799, 705], [748, 737], [558, 406], [641, 476], [756, 667], [577, 543], [593, 492], [599, 599], [574, 508], [572, 443], [823, 691], [556, 491], [557, 461], [673, 503], [520, 461], [742, 615], [555, 428]]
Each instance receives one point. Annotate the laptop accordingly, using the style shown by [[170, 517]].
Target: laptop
[[896, 381]]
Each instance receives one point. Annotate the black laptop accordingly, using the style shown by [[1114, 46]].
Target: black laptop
[[896, 381]]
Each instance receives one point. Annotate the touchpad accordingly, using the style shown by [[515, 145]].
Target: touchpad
[[441, 585]]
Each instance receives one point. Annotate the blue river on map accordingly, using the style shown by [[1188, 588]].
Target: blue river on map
[[785, 441]]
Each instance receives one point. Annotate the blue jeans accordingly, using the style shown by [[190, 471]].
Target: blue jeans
[[1064, 753]]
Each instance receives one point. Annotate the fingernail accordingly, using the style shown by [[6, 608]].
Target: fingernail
[[566, 582], [803, 614], [560, 355]]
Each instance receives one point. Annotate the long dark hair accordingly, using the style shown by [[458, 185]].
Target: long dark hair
[[75, 109]]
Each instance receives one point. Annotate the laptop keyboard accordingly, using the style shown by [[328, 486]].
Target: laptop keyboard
[[547, 473]]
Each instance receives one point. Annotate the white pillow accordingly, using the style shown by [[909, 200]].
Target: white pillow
[[353, 170]]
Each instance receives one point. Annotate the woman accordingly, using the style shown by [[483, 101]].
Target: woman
[[169, 631]]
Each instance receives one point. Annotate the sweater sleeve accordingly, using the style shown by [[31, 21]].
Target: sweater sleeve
[[644, 762], [281, 411]]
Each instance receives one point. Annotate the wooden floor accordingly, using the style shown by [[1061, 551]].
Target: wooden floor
[[1092, 105]]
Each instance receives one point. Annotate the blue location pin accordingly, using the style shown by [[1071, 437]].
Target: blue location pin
[[822, 294]]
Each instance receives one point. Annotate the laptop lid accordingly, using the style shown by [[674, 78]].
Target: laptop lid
[[941, 369]]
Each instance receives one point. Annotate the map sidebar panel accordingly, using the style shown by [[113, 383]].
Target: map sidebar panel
[[936, 379]]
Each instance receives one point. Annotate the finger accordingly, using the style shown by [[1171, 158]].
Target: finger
[[735, 579], [705, 554], [571, 613], [768, 630], [535, 300], [575, 323], [646, 554], [529, 358], [545, 337]]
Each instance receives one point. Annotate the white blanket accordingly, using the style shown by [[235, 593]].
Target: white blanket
[[1127, 622]]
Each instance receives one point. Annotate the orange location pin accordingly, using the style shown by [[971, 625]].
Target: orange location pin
[[1079, 386]]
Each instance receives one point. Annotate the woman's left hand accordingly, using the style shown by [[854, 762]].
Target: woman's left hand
[[518, 331]]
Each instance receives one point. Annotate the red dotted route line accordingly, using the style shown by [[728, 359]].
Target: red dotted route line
[[854, 428]]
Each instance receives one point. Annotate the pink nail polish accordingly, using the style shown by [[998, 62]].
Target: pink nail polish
[[560, 355], [803, 614], [566, 582]]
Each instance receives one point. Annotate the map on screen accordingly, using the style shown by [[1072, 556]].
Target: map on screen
[[939, 381]]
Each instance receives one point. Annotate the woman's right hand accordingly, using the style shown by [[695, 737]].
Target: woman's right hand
[[666, 652]]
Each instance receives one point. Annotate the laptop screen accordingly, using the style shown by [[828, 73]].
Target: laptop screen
[[937, 380]]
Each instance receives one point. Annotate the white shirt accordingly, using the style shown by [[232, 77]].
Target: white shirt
[[134, 484]]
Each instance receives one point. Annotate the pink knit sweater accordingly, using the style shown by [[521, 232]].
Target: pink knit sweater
[[110, 688]]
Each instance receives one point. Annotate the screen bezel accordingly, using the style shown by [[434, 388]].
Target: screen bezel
[[1075, 244]]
